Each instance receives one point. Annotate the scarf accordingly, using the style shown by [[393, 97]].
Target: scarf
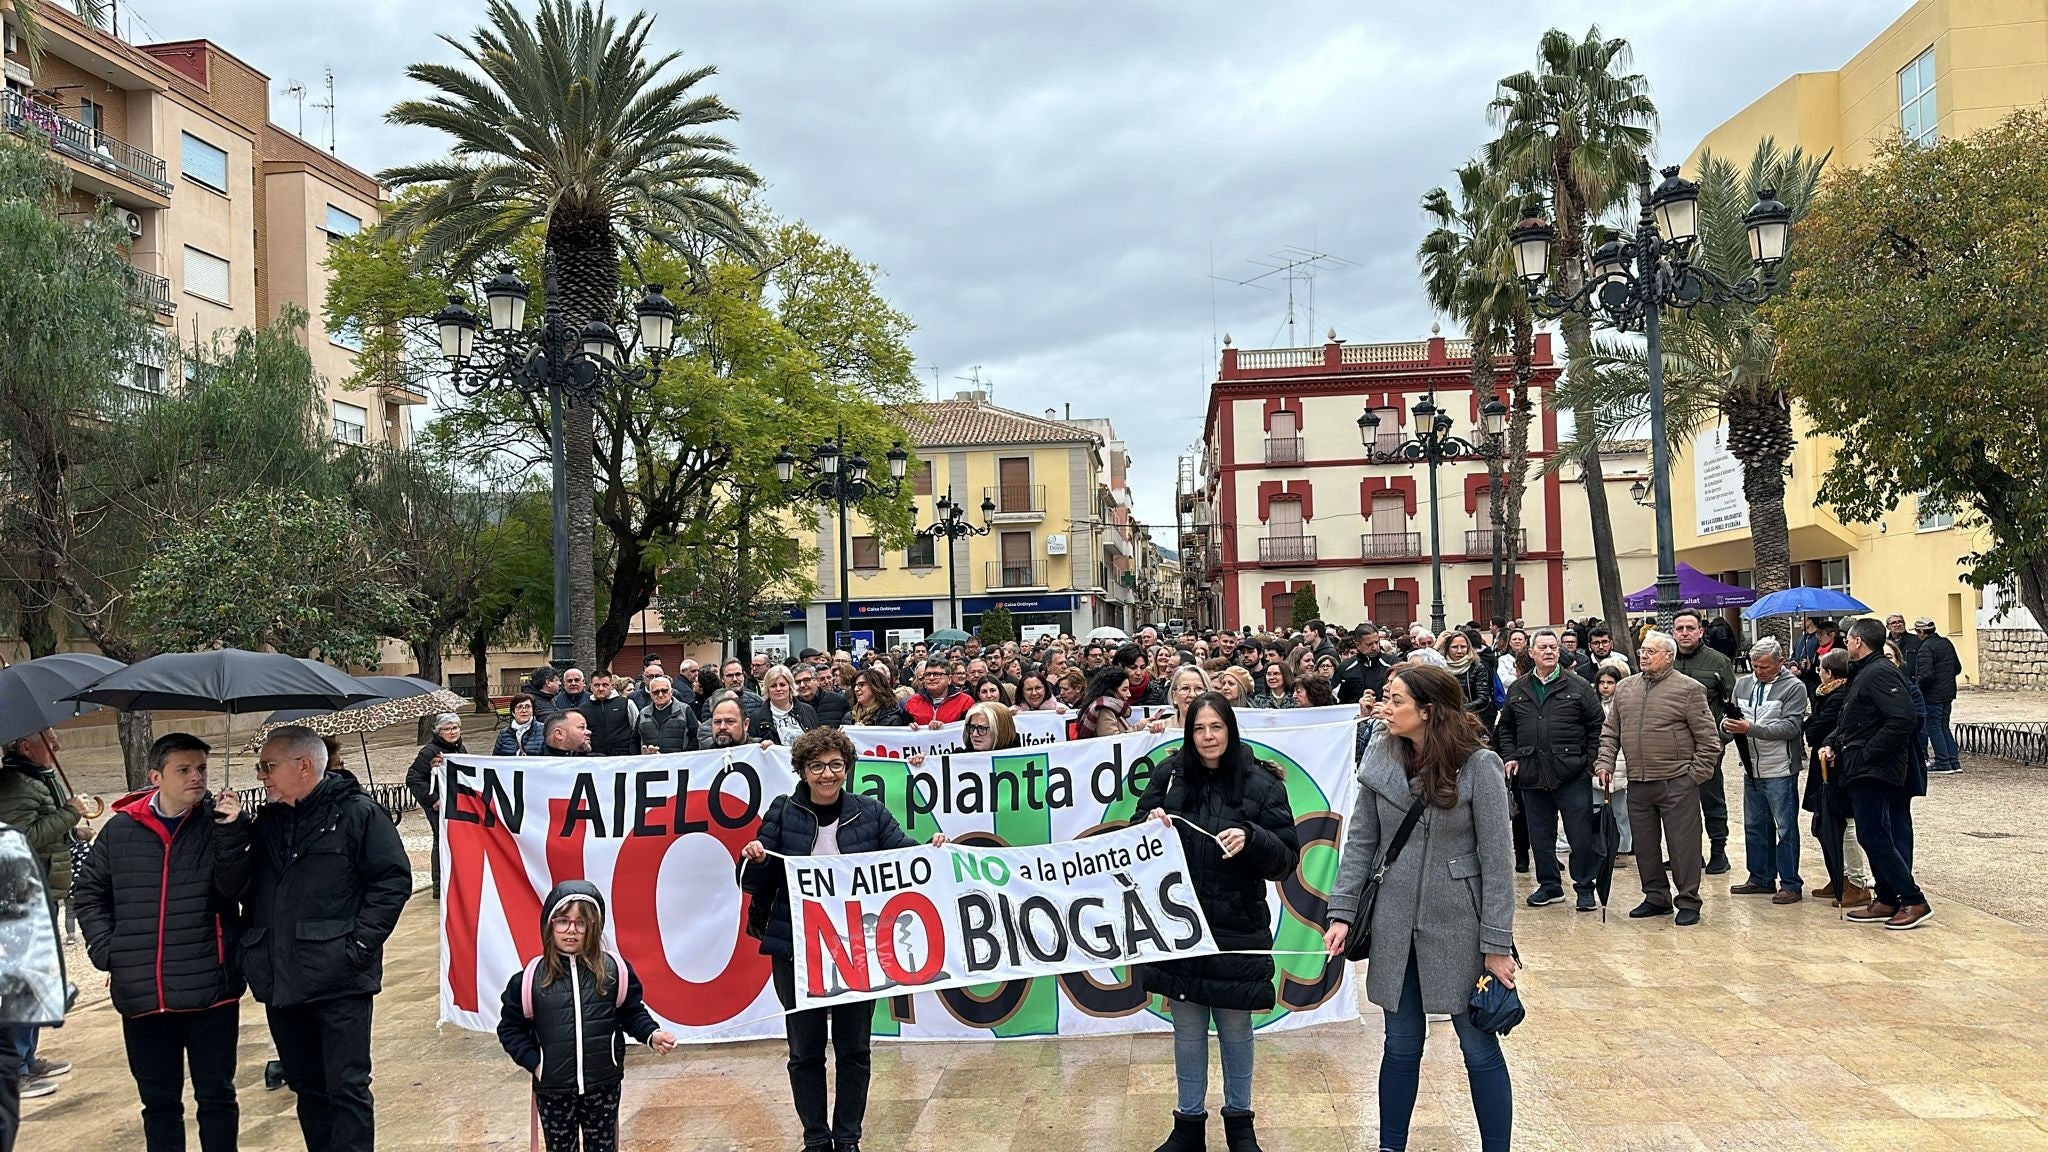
[[1459, 665], [1830, 687]]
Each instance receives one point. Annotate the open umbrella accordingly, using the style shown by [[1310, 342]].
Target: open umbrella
[[1804, 602], [1107, 633], [949, 636], [33, 694], [406, 698]]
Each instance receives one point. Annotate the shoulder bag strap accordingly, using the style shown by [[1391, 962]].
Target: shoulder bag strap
[[1400, 839]]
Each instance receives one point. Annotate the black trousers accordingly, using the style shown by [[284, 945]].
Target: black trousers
[[1884, 827], [10, 1090], [1831, 827], [433, 816], [1542, 807], [1714, 808], [159, 1047], [325, 1049], [851, 1027], [585, 1122]]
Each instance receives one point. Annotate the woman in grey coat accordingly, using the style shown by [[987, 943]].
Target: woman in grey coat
[[1445, 913]]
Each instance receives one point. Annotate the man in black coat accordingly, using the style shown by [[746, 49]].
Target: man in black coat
[[1872, 748], [1362, 670], [830, 705], [611, 718], [156, 898], [1935, 666], [330, 877], [1549, 737]]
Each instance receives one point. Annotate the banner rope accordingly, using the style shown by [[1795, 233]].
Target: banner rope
[[746, 863]]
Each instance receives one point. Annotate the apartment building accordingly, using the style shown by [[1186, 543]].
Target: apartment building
[[230, 215]]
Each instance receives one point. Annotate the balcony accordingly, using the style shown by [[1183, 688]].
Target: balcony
[[1005, 574], [83, 143], [128, 400], [1283, 450], [151, 290], [1390, 545], [1479, 541], [1287, 550], [1016, 503]]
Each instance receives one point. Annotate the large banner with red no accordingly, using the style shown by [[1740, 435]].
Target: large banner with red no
[[660, 836]]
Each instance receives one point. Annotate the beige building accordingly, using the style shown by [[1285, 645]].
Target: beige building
[[230, 214], [1943, 69]]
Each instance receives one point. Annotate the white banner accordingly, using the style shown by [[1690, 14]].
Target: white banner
[[660, 836], [1261, 718], [900, 741], [925, 919]]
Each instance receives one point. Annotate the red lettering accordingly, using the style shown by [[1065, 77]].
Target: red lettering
[[470, 844], [849, 954], [637, 928], [910, 904]]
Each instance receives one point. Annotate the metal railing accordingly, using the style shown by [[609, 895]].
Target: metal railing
[[1287, 550], [2024, 742], [151, 289], [1283, 450], [84, 143], [1382, 545], [397, 799], [1016, 499], [1479, 541], [1006, 574]]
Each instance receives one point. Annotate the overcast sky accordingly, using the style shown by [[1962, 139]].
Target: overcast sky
[[1047, 185]]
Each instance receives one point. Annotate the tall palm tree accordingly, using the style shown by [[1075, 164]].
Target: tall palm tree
[[1579, 126], [566, 125], [1719, 362], [1467, 273], [29, 27]]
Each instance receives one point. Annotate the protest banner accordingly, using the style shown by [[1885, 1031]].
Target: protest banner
[[515, 826], [927, 919], [1250, 718], [901, 741]]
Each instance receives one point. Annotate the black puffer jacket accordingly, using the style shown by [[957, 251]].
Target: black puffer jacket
[[611, 726], [1232, 892], [419, 779], [158, 907], [791, 828], [830, 707], [575, 1040], [1877, 725], [330, 877]]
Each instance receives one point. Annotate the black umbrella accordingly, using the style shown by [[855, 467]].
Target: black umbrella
[[33, 695], [1742, 749], [1607, 845], [227, 680]]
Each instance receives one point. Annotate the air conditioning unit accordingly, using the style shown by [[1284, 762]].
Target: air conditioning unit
[[134, 222], [13, 44]]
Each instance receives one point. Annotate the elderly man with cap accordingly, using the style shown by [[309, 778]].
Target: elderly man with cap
[[1935, 669], [423, 780]]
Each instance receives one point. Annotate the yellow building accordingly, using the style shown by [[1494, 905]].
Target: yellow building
[[1943, 69], [1051, 555]]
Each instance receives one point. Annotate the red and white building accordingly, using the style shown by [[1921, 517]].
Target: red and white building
[[1288, 497]]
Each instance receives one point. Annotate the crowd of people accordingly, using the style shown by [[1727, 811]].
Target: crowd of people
[[1500, 744]]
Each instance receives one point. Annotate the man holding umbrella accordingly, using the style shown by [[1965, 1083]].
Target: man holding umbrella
[[330, 878]]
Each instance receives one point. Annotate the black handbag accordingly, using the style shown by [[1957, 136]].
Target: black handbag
[[1358, 944]]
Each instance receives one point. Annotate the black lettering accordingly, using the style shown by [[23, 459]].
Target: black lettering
[[1101, 933], [998, 778], [750, 811], [455, 790], [583, 806], [1059, 788], [643, 802], [1138, 925], [980, 944], [970, 799], [1105, 783], [1044, 911], [1175, 910]]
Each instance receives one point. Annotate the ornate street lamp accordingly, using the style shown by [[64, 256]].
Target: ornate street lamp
[[832, 477], [1632, 281], [1433, 444], [566, 365], [949, 523]]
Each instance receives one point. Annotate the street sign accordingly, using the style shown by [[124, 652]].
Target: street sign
[[857, 641]]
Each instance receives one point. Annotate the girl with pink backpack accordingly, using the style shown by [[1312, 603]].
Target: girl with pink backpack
[[564, 1019]]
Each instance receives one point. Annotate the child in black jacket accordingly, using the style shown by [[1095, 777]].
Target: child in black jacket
[[564, 1018]]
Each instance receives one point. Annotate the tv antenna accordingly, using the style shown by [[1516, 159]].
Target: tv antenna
[[1296, 264], [297, 91], [934, 370], [974, 379], [329, 106]]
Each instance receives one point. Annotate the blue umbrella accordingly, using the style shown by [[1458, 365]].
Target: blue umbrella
[[1804, 602]]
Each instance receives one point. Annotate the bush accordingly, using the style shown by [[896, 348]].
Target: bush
[[997, 627], [1305, 606]]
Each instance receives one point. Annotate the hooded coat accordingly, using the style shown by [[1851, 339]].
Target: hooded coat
[[1244, 794], [33, 801], [575, 1040], [158, 907]]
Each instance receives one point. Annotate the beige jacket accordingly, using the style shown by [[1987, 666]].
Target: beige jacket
[[1662, 725]]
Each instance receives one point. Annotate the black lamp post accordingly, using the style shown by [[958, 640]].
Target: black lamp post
[[833, 477], [1640, 493], [569, 366], [1433, 444], [949, 523], [1631, 282]]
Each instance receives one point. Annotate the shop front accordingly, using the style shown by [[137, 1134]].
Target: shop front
[[1069, 612], [873, 624]]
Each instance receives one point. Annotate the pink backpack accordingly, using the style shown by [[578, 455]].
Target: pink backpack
[[533, 970]]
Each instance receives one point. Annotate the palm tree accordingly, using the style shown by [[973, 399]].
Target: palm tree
[[1579, 125], [1719, 362], [566, 126], [28, 25]]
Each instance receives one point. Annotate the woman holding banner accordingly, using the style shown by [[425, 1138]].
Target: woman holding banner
[[822, 817], [1445, 911], [1237, 828]]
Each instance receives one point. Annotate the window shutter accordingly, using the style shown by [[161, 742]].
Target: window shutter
[[203, 162], [206, 275], [341, 223]]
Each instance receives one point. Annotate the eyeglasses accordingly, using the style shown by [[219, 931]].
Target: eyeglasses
[[267, 767], [826, 768], [568, 924], [977, 729], [657, 691]]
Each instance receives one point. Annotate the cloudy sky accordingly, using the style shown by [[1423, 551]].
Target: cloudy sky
[[1048, 185]]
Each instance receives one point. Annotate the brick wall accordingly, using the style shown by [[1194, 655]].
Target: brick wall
[[2012, 659]]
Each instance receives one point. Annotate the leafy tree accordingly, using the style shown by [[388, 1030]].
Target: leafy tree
[[1306, 606], [567, 125], [730, 577], [274, 569], [997, 626], [1912, 331], [29, 24], [1578, 126]]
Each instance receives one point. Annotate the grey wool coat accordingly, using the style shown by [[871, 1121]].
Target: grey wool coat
[[1450, 898]]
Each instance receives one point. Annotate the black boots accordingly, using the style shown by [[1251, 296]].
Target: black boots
[[1188, 1134], [1237, 1132], [1717, 862]]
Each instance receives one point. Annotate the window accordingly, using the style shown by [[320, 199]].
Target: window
[[92, 115], [351, 423], [921, 478], [1932, 519], [1916, 100], [1281, 614], [922, 553], [146, 377], [1013, 484], [206, 276], [867, 553], [202, 162], [1391, 609], [1835, 574], [1387, 435], [345, 336], [341, 223]]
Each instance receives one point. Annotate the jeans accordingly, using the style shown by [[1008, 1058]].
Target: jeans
[[159, 1047], [1714, 807], [1493, 1097], [1884, 826], [1544, 806], [325, 1049], [851, 1027], [1770, 831], [25, 1041], [1191, 1056], [1940, 736]]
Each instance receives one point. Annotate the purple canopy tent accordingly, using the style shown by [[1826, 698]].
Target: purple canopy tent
[[1696, 589]]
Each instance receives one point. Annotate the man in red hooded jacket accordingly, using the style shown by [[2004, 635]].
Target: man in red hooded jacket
[[936, 703]]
